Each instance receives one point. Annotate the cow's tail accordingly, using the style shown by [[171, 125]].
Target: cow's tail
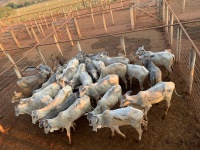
[[178, 94]]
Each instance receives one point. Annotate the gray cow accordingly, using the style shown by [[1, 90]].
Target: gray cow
[[54, 113], [155, 74], [96, 90], [120, 117], [110, 98]]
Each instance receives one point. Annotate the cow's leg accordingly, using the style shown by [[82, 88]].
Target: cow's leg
[[68, 134], [118, 131], [73, 126], [141, 84], [144, 123], [113, 132], [169, 70], [125, 82], [139, 130], [168, 105], [146, 109], [131, 82]]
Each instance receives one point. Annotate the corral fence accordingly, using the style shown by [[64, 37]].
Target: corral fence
[[111, 18], [187, 55]]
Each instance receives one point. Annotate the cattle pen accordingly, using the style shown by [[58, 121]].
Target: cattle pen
[[116, 27]]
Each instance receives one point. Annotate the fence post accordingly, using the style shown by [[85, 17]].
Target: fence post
[[58, 46], [183, 7], [14, 37], [167, 19], [34, 34], [42, 30], [92, 16], [37, 26], [45, 20], [123, 44], [78, 46], [54, 29], [111, 13], [132, 19], [69, 35], [171, 28], [163, 11], [77, 28], [42, 58], [192, 65], [16, 69], [104, 22], [121, 3], [29, 33]]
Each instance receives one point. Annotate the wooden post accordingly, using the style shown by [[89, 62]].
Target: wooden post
[[123, 44], [42, 30], [167, 19], [16, 69], [92, 16], [69, 35], [160, 9], [42, 58], [64, 13], [121, 3], [29, 33], [77, 28], [192, 65], [171, 28], [163, 11], [104, 22], [111, 13], [37, 25], [132, 19], [14, 37], [134, 15], [54, 29], [78, 46], [183, 7], [45, 20], [35, 36], [58, 46], [77, 12]]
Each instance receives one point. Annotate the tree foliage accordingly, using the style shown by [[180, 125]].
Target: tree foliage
[[5, 11]]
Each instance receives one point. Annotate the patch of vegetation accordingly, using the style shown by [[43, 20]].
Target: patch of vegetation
[[5, 11]]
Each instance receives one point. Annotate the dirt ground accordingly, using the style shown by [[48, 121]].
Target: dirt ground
[[179, 130]]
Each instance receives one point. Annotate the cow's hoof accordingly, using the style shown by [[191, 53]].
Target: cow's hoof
[[163, 117], [1, 116], [124, 137], [70, 143], [111, 136], [138, 141]]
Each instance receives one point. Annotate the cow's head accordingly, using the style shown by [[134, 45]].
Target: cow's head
[[83, 90], [34, 116], [81, 57], [19, 109], [17, 97], [47, 126], [95, 121], [140, 51], [44, 74], [95, 75]]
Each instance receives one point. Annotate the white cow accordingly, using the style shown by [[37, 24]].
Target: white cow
[[138, 72], [115, 68], [50, 90], [144, 99], [62, 95], [98, 65], [33, 104], [66, 118], [85, 78], [163, 58], [120, 117], [96, 90], [110, 98]]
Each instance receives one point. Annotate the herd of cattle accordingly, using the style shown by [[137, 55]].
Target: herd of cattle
[[88, 84]]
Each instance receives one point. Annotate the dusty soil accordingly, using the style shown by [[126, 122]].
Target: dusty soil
[[179, 130]]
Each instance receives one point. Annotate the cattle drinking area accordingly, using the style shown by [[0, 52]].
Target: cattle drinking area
[[115, 27]]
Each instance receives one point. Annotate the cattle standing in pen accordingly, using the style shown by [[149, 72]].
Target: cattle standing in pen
[[91, 70], [116, 68], [96, 90], [110, 98], [62, 95], [66, 118], [64, 106], [155, 74], [138, 72], [163, 58], [144, 99], [120, 117]]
